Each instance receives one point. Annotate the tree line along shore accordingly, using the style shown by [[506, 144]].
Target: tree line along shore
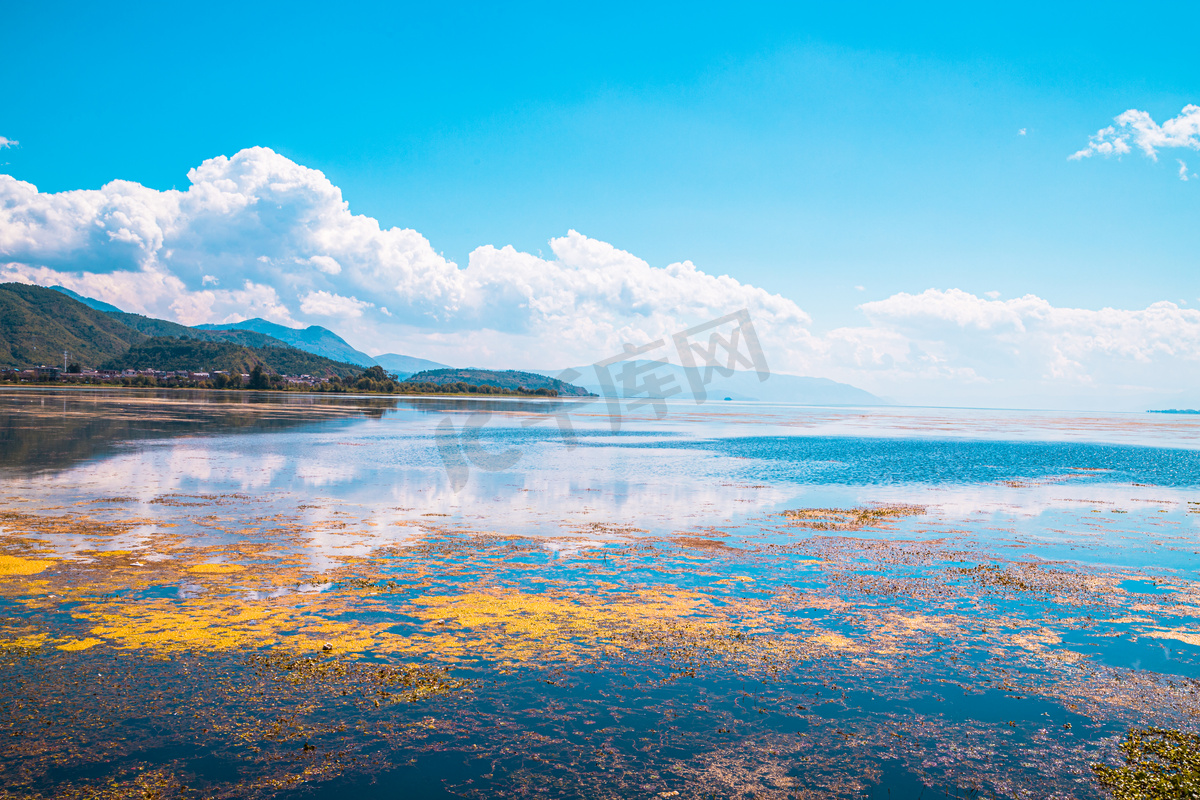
[[101, 345], [372, 380]]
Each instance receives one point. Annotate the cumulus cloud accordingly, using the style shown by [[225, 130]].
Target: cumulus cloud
[[6, 142], [257, 235], [1139, 129], [1022, 350], [327, 304], [326, 264]]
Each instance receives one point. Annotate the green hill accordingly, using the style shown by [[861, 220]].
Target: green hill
[[261, 333], [38, 324], [167, 353], [90, 302], [161, 327], [508, 379], [314, 339]]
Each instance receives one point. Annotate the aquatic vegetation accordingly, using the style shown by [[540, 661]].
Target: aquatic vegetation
[[218, 625], [849, 519], [25, 638], [216, 569], [519, 626], [388, 682], [80, 644], [1160, 764], [263, 639], [12, 565]]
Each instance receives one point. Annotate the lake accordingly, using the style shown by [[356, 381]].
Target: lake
[[242, 595]]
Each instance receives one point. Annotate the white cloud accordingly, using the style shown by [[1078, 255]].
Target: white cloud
[[1021, 132], [327, 304], [326, 264], [257, 235], [1020, 351], [1183, 175], [1139, 128], [6, 142], [284, 234]]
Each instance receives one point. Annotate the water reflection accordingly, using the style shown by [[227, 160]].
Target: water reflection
[[633, 616], [365, 472], [53, 430]]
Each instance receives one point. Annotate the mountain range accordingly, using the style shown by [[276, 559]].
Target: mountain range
[[509, 379], [43, 326], [37, 324], [40, 325], [258, 332], [671, 381]]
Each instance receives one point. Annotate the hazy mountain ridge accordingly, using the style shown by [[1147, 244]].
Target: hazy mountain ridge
[[406, 365], [509, 379], [777, 388], [90, 302], [161, 327], [314, 339], [258, 332], [325, 342], [96, 332]]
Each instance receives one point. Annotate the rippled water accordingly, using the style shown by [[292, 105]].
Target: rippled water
[[533, 597]]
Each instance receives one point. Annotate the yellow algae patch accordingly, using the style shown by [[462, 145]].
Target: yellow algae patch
[[834, 641], [159, 626], [200, 625], [80, 644], [216, 569], [849, 519], [12, 565], [1037, 640], [1186, 637], [519, 626], [922, 623], [28, 640]]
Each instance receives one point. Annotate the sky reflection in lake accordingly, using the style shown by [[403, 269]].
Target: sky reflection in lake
[[763, 599]]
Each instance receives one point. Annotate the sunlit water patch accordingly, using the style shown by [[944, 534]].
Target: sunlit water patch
[[207, 594]]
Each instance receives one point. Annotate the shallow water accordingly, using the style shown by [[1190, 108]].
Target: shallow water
[[535, 597]]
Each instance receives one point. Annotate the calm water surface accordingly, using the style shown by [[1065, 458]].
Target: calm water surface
[[236, 595]]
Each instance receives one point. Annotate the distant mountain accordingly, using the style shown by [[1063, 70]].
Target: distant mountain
[[261, 333], [314, 339], [503, 379], [406, 365], [37, 324], [778, 388], [99, 305], [169, 353], [161, 327]]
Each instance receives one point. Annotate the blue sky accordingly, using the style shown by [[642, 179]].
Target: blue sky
[[807, 150]]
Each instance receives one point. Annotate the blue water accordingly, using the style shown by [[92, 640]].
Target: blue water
[[1002, 597]]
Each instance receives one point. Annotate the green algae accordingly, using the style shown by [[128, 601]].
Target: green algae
[[1160, 764]]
